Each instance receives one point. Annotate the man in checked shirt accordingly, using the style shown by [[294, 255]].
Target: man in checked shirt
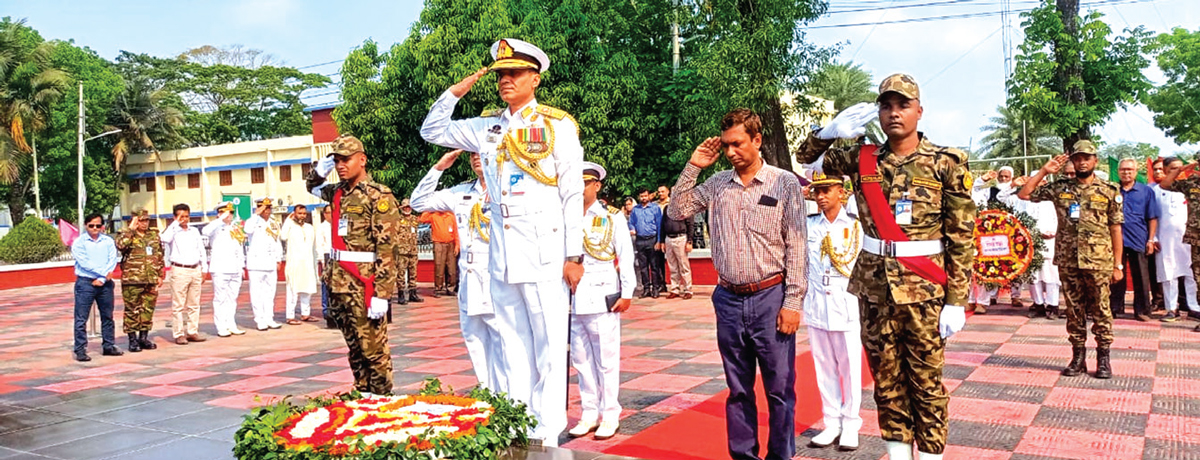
[[756, 214]]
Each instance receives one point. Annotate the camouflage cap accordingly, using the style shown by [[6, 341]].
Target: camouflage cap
[[900, 83], [404, 203], [1083, 147], [140, 213], [346, 145]]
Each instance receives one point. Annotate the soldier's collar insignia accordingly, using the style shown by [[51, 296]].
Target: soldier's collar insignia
[[528, 111], [383, 206]]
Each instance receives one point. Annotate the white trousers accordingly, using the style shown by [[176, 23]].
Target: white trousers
[[293, 297], [982, 295], [596, 356], [533, 321], [481, 334], [1171, 293], [1044, 293], [263, 285], [838, 359], [225, 292]]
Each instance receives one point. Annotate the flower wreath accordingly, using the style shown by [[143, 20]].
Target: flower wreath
[[1008, 247], [433, 424]]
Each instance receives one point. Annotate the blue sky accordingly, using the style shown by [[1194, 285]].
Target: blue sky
[[959, 62]]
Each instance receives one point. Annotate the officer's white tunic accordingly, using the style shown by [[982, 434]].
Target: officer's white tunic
[[476, 316], [263, 254], [595, 332], [534, 227], [831, 314], [225, 264], [1175, 258]]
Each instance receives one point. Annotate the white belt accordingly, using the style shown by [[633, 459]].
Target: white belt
[[507, 210], [352, 256], [901, 248]]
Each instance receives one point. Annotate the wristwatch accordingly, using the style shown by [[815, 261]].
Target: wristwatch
[[1120, 266], [575, 259]]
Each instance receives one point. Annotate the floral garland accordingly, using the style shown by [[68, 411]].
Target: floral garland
[[426, 426], [1020, 249]]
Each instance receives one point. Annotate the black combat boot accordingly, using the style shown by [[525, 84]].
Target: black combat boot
[[1078, 362], [1052, 312], [145, 342], [413, 297], [1037, 310], [330, 323], [1103, 367], [402, 298], [134, 346]]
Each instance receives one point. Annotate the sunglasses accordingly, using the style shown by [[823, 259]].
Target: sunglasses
[[95, 225]]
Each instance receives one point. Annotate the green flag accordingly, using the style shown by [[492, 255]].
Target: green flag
[[1114, 163]]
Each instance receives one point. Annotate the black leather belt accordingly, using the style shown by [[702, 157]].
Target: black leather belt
[[675, 235], [184, 266]]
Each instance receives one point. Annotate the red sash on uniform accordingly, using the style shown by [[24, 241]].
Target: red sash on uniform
[[885, 221], [340, 245]]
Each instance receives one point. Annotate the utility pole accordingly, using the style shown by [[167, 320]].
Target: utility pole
[[79, 169], [37, 192]]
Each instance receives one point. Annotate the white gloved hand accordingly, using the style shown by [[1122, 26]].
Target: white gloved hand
[[851, 123], [325, 166], [951, 321], [379, 308]]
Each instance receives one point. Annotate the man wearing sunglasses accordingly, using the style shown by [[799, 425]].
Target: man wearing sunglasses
[[95, 258]]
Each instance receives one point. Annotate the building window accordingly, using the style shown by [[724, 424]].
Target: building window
[[194, 180], [150, 184], [257, 176], [135, 186], [170, 182], [285, 173], [226, 178], [305, 169]]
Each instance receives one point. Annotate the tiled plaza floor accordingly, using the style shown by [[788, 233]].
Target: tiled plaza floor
[[185, 402]]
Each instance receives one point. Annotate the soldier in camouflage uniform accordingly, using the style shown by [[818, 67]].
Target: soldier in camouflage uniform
[[1190, 188], [1087, 249], [141, 274], [406, 255], [906, 314], [362, 273]]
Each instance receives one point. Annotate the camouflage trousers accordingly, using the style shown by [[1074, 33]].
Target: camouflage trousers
[[406, 269], [906, 354], [1087, 295], [369, 355], [139, 306]]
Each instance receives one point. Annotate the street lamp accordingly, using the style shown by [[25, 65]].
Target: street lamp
[[79, 169]]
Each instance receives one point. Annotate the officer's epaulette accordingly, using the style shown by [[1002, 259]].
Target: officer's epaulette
[[552, 113], [377, 186], [613, 211], [489, 113], [958, 155]]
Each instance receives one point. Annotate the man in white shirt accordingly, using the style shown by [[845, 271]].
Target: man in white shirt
[[263, 255], [1174, 258], [831, 313], [301, 268], [189, 263], [227, 241]]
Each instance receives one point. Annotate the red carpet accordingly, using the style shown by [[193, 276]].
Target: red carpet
[[699, 432]]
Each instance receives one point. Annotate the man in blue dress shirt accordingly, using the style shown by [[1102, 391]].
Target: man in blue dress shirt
[[644, 223], [95, 258], [1139, 234]]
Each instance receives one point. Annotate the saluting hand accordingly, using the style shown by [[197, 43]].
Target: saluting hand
[[1055, 164], [447, 160], [706, 153], [461, 88]]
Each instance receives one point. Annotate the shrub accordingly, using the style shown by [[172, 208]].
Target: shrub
[[30, 242]]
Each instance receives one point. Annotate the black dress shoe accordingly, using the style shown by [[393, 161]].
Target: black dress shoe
[[113, 351], [82, 357]]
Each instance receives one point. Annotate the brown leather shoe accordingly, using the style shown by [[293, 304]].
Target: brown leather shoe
[[293, 322], [980, 309], [672, 295], [1143, 318], [195, 338], [181, 340], [686, 296]]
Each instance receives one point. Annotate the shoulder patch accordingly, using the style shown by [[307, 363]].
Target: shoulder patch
[[959, 156], [612, 210], [383, 206], [377, 186], [551, 112], [491, 113]]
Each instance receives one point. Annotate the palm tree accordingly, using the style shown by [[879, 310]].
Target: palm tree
[[846, 84], [1011, 136], [147, 123]]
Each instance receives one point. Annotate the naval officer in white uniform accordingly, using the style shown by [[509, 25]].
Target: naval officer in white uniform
[[605, 291], [476, 317], [226, 262], [831, 313], [531, 157], [263, 254]]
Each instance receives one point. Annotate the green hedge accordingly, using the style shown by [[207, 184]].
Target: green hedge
[[32, 241]]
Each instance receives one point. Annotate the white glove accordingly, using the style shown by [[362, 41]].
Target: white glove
[[851, 123], [952, 320], [325, 166], [379, 308]]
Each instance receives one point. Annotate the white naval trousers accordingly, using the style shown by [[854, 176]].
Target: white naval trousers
[[533, 320], [478, 322], [837, 356], [596, 356], [263, 284], [982, 295], [1044, 293], [293, 298], [225, 292], [1171, 293]]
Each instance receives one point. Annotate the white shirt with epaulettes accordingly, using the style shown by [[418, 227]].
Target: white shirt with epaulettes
[[602, 278], [828, 305], [461, 199]]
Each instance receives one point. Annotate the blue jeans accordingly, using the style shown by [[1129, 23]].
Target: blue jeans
[[324, 300], [102, 295], [746, 337]]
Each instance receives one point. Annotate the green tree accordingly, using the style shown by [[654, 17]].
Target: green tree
[[1176, 104], [1072, 73], [846, 84], [1010, 135], [147, 123]]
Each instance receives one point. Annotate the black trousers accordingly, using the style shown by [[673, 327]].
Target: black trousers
[[649, 263], [1139, 273]]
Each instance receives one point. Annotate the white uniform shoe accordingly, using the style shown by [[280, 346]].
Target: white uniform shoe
[[223, 333], [848, 441], [925, 456], [274, 325], [583, 428], [236, 331], [607, 430], [899, 450], [825, 438]]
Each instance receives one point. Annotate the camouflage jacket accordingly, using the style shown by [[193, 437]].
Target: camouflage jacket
[[373, 219], [938, 183], [141, 257], [406, 238], [1085, 242], [1190, 188]]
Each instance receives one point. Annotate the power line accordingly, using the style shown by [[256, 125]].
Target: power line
[[982, 14], [973, 48]]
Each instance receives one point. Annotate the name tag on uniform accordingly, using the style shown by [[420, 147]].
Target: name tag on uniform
[[904, 212], [470, 258], [149, 250], [1073, 211], [825, 280], [343, 227], [514, 184]]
